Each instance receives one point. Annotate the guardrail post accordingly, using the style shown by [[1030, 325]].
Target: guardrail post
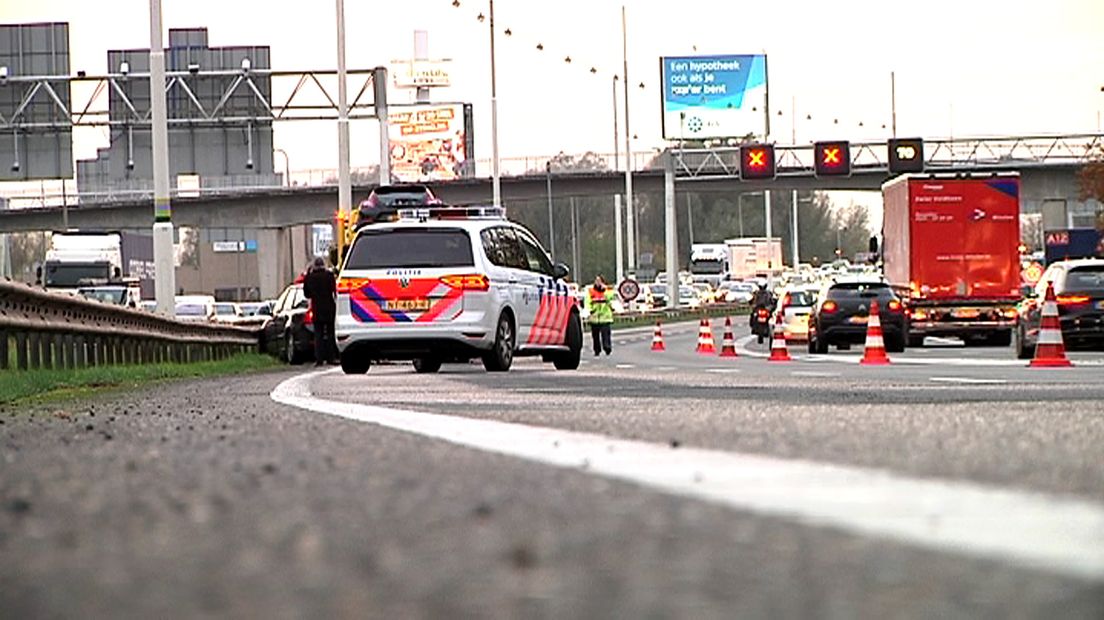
[[21, 361], [4, 349], [35, 350], [80, 359], [67, 350]]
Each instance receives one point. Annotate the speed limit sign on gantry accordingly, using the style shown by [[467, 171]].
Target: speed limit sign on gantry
[[628, 289]]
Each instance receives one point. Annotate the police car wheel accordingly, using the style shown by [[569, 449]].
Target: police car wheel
[[501, 355], [352, 365], [426, 365], [574, 340]]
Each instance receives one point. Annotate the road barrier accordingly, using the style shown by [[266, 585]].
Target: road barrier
[[52, 330], [675, 315]]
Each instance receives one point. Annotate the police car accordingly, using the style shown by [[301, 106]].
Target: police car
[[453, 284]]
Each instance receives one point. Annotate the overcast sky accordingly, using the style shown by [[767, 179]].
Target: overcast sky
[[963, 68]]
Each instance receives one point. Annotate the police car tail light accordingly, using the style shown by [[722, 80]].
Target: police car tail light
[[468, 282], [348, 285], [308, 318], [829, 307]]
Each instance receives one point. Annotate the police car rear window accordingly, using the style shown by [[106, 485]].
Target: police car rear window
[[411, 247]]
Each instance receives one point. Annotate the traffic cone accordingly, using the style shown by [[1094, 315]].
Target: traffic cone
[[705, 338], [875, 353], [657, 339], [728, 341], [779, 352], [1050, 351]]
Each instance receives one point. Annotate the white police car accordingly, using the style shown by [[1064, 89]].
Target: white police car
[[452, 284]]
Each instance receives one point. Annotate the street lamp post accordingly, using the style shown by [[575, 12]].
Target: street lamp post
[[551, 227], [287, 166], [496, 180], [630, 210], [164, 266]]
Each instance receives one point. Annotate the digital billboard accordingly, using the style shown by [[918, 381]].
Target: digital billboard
[[713, 96], [430, 142]]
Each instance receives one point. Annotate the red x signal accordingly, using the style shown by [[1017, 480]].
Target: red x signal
[[757, 161], [832, 158]]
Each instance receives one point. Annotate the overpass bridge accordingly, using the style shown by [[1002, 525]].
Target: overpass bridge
[[1048, 165]]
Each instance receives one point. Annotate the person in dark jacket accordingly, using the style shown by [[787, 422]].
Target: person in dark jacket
[[320, 287]]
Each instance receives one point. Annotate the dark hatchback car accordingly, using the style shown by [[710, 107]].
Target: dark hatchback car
[[385, 201], [289, 334], [1079, 289], [842, 311]]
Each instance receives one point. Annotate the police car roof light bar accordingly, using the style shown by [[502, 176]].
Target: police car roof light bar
[[453, 213]]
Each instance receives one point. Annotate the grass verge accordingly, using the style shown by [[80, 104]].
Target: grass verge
[[48, 385]]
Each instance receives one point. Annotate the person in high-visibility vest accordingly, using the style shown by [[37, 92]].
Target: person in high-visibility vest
[[599, 301]]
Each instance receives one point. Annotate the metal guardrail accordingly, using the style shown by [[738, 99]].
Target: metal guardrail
[[51, 330]]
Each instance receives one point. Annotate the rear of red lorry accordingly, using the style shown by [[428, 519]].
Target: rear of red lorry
[[952, 249]]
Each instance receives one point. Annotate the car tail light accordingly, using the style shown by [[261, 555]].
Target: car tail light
[[1009, 313], [829, 307], [786, 301], [469, 282], [920, 315], [348, 285], [1073, 300], [308, 318], [893, 306]]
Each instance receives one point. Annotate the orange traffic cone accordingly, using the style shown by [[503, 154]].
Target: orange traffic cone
[[657, 339], [728, 341], [779, 352], [875, 353], [1050, 351], [705, 338]]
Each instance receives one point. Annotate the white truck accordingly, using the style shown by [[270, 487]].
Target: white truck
[[749, 257], [77, 260], [708, 263], [74, 260]]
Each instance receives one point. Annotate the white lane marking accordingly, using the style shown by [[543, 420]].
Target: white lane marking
[[813, 373], [723, 371], [968, 380], [1055, 534], [666, 368], [625, 366]]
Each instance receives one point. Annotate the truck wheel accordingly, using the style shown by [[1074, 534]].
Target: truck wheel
[[1024, 351], [501, 355], [1000, 339]]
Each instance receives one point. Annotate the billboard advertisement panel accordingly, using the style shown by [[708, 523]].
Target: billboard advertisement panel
[[430, 142], [708, 97]]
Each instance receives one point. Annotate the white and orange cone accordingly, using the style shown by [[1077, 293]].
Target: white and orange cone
[[875, 353], [657, 339], [779, 352], [1050, 351], [705, 338], [728, 341]]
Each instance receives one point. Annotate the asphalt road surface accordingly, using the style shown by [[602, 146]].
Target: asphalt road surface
[[954, 482]]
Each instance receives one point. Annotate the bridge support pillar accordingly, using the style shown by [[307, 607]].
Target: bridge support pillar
[[270, 278]]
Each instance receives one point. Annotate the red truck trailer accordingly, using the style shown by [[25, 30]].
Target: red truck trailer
[[951, 249]]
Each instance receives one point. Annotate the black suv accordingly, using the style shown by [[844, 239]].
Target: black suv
[[385, 201], [843, 308], [1079, 288]]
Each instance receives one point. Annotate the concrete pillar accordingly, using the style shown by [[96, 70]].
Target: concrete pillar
[[269, 275]]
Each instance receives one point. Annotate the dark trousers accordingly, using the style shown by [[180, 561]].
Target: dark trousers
[[324, 343], [601, 333]]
